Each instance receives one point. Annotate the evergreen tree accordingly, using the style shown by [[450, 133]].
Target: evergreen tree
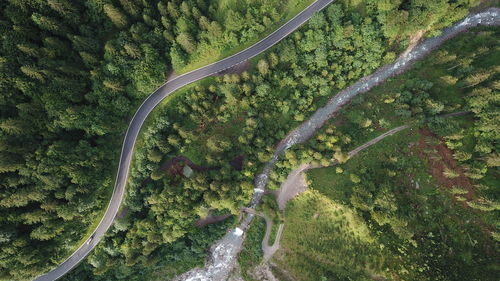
[[186, 42], [116, 16], [131, 8]]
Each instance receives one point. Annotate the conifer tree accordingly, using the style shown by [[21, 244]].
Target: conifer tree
[[131, 8], [49, 24], [116, 16], [64, 8], [186, 42]]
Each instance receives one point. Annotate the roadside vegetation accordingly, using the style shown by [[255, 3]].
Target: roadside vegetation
[[231, 26]]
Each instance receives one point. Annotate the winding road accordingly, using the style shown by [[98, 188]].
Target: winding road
[[224, 252], [145, 109]]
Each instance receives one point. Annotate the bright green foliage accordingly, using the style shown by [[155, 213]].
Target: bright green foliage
[[400, 19], [327, 233], [263, 67], [61, 123], [186, 42], [116, 16], [413, 221], [252, 251]]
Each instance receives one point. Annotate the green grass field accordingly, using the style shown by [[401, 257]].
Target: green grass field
[[318, 236], [323, 228]]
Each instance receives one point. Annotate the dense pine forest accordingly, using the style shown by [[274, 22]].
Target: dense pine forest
[[73, 72]]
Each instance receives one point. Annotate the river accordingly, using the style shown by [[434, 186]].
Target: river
[[223, 255]]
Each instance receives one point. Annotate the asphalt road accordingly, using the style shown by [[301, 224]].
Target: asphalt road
[[145, 109]]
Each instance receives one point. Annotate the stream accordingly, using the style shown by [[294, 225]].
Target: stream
[[223, 254]]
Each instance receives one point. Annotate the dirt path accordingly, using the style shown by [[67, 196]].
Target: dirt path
[[266, 249], [375, 140], [295, 183], [454, 114]]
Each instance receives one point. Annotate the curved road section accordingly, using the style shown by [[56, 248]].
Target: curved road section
[[148, 105]]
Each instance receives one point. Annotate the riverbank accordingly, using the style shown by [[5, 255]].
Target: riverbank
[[234, 238]]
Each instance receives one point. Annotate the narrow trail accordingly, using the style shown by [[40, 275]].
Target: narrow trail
[[223, 255], [266, 249], [295, 183], [375, 140]]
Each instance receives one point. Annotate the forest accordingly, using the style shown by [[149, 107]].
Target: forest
[[72, 74], [236, 117]]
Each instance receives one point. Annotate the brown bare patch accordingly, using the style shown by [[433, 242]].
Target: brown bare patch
[[339, 120], [237, 162], [175, 165], [377, 126], [171, 75], [439, 157], [414, 39], [123, 212]]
